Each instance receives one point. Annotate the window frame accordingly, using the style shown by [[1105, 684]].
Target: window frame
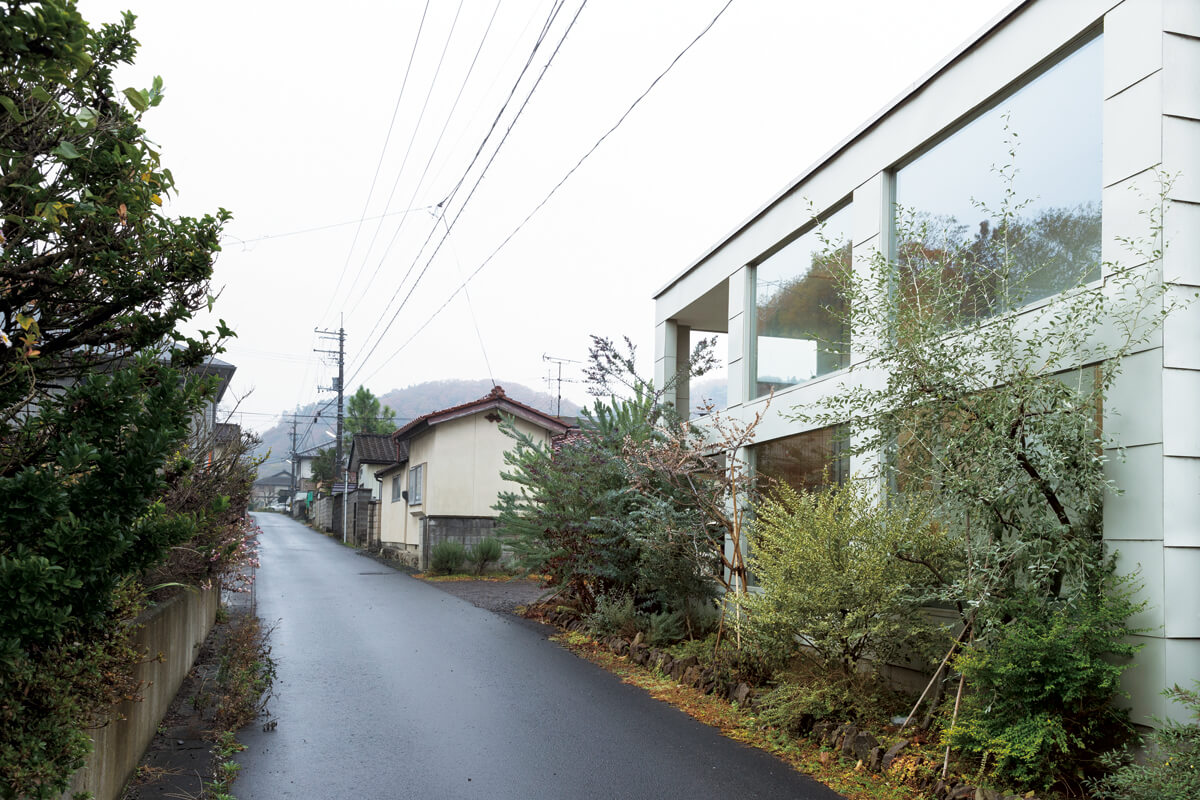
[[813, 226], [416, 484]]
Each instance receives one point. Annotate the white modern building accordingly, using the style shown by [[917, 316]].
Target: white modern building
[[1103, 95]]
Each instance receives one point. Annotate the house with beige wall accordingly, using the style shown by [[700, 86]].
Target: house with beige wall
[[448, 475], [1104, 96]]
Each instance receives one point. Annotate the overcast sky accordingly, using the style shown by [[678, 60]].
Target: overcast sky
[[288, 113]]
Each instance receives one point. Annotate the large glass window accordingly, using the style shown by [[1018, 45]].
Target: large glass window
[[800, 331], [807, 461], [1010, 203]]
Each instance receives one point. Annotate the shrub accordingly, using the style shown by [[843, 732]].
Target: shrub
[[447, 557], [485, 552], [246, 673], [1171, 769], [1040, 706], [827, 564], [809, 696], [664, 627], [614, 615]]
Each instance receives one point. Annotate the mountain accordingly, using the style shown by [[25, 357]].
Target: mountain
[[408, 403]]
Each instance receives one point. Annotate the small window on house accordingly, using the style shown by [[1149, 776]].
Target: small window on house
[[396, 489], [416, 482], [808, 461]]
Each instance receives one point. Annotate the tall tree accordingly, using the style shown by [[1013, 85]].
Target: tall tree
[[94, 279], [364, 414]]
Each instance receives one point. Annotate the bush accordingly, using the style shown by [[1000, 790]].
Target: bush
[[664, 627], [1039, 710], [1171, 770], [827, 564], [447, 557], [485, 552], [614, 616], [806, 697]]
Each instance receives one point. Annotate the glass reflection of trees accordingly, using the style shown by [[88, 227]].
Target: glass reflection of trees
[[1000, 267], [800, 312]]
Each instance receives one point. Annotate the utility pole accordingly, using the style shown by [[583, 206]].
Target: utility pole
[[559, 362], [292, 494], [340, 335]]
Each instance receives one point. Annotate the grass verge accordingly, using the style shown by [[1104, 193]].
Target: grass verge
[[851, 780]]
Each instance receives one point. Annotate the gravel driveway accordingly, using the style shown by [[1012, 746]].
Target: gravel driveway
[[499, 596]]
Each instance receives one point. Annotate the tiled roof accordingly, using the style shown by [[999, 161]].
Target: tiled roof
[[374, 448], [496, 398]]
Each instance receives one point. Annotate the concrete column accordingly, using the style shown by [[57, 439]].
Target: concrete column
[[741, 337], [666, 354], [683, 381]]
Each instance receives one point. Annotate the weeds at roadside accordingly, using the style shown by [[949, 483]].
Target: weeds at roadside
[[803, 755]]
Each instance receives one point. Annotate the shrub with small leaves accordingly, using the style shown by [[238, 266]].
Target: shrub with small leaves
[[447, 557], [614, 615], [485, 552], [1171, 769]]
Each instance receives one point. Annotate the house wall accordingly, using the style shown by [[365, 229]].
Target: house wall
[[1151, 121], [366, 478], [463, 459]]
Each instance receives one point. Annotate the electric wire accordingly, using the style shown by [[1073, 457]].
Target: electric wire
[[318, 228], [432, 154], [470, 194], [383, 151], [553, 191], [408, 151], [483, 143]]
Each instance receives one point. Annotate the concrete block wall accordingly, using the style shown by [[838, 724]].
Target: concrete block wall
[[175, 628]]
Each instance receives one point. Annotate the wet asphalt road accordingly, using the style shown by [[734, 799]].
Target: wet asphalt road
[[391, 688]]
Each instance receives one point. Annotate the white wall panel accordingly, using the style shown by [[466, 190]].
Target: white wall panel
[[1181, 259], [1181, 420], [1181, 16], [1181, 330], [1181, 75], [1181, 665], [1122, 214], [1145, 560], [1133, 411], [1181, 587], [1137, 512], [1133, 130], [1144, 680], [1133, 43], [1181, 156], [1181, 503], [869, 210]]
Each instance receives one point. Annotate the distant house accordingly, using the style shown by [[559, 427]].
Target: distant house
[[447, 474], [268, 489], [371, 453]]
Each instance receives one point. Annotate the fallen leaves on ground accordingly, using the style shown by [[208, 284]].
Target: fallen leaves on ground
[[803, 755]]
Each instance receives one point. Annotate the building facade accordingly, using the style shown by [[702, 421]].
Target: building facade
[[1097, 99], [448, 476]]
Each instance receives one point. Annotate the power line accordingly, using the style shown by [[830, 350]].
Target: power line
[[432, 154], [546, 199], [408, 151], [378, 166], [470, 194], [318, 228], [449, 197]]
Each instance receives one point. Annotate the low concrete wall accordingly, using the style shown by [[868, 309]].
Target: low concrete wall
[[175, 628]]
